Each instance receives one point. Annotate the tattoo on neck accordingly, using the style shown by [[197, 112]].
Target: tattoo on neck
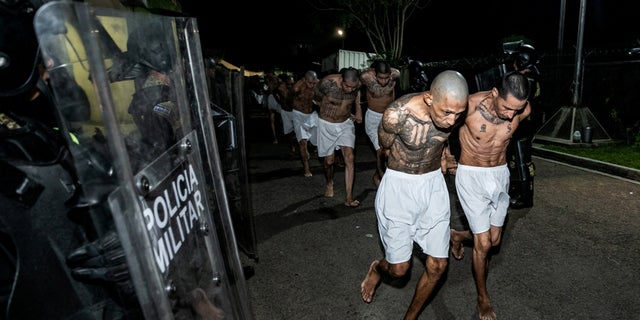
[[487, 115]]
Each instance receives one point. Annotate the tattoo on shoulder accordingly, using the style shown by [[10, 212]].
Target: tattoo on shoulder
[[368, 77], [400, 102], [327, 86]]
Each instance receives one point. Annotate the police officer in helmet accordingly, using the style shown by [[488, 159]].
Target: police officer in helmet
[[55, 262], [524, 60]]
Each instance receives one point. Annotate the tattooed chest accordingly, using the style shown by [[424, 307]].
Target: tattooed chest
[[378, 91], [339, 95], [417, 135], [490, 130]]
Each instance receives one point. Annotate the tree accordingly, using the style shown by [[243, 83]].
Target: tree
[[382, 21]]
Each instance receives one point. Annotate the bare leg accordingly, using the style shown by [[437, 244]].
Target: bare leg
[[292, 142], [380, 161], [272, 119], [349, 174], [430, 276], [481, 247], [374, 274], [339, 159], [304, 156], [328, 175], [457, 249]]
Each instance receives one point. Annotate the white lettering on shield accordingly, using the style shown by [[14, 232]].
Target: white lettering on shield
[[172, 216]]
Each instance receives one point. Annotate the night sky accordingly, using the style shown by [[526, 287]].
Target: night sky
[[259, 35]]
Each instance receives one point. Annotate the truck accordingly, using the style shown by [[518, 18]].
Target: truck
[[345, 59]]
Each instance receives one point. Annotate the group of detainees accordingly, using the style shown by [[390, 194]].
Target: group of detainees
[[417, 173]]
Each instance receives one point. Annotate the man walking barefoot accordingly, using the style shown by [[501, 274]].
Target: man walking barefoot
[[379, 82], [412, 201], [336, 94], [304, 116], [482, 175]]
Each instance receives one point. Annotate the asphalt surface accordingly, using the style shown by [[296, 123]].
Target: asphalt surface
[[574, 255]]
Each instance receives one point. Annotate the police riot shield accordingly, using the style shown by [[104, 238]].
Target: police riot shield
[[145, 154]]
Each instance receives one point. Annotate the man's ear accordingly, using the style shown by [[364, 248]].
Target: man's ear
[[494, 92], [428, 99]]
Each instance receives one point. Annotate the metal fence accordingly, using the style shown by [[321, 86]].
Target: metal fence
[[611, 90]]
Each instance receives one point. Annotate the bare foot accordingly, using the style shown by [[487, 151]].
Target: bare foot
[[352, 203], [370, 282], [485, 312], [203, 306], [329, 191], [308, 174], [457, 249]]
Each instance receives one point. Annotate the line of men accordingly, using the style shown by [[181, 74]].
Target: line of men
[[323, 112], [411, 135], [319, 112]]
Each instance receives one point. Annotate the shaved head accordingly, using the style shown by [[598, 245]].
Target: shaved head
[[311, 75], [451, 85]]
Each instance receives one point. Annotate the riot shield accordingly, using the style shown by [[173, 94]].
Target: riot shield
[[146, 158]]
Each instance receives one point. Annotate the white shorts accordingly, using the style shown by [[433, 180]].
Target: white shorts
[[371, 122], [331, 136], [287, 121], [272, 104], [484, 195], [305, 125], [413, 208]]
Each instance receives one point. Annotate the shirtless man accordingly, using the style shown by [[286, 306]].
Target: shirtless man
[[412, 201], [284, 95], [304, 115], [336, 94], [379, 82], [273, 106], [482, 175]]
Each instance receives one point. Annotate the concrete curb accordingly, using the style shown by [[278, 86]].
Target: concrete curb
[[609, 168]]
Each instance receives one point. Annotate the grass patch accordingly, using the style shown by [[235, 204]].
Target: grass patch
[[623, 155]]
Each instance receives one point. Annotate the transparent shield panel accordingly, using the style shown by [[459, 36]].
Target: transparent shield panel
[[130, 92], [182, 244]]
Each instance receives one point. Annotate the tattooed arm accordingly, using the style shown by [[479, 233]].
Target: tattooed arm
[[388, 128], [392, 121], [358, 114]]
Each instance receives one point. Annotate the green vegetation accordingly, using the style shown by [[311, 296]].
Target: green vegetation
[[620, 154]]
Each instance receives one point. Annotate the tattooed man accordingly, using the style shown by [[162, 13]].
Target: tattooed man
[[412, 201], [304, 116], [336, 94], [482, 175], [380, 83]]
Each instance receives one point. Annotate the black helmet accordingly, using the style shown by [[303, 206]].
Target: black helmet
[[526, 57], [147, 45]]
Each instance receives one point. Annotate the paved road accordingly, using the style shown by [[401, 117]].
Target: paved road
[[574, 255]]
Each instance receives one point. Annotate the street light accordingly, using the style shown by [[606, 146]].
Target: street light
[[341, 35]]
